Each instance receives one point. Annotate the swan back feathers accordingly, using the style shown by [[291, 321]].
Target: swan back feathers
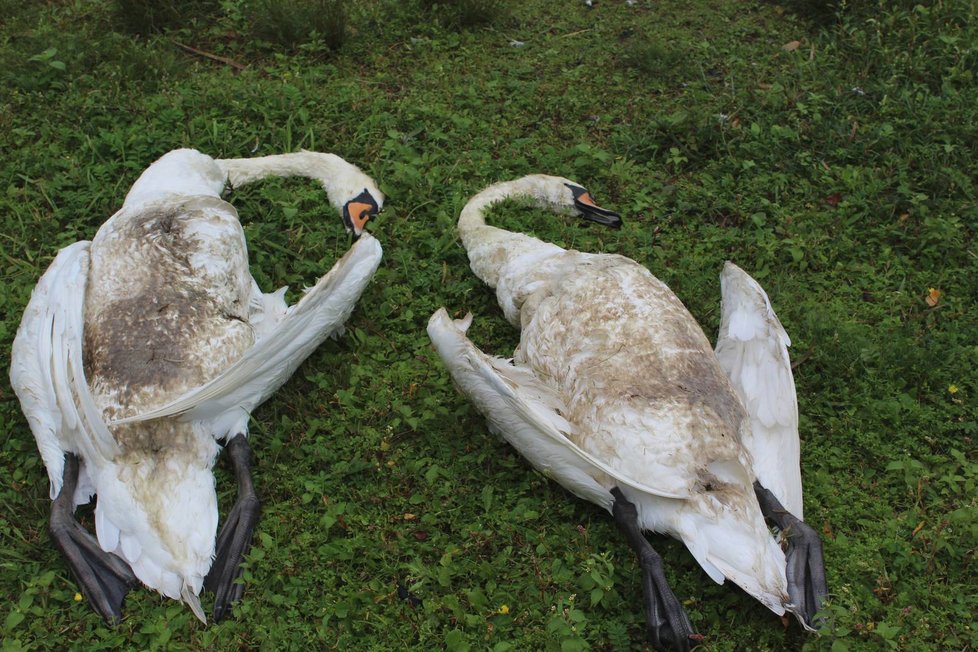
[[167, 304], [632, 363]]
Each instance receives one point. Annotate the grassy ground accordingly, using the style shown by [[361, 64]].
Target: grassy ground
[[831, 154]]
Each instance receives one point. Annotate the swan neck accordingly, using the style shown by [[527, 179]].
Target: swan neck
[[472, 217], [328, 169]]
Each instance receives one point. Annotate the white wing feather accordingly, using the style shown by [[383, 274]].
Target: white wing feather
[[275, 356], [47, 371], [753, 350], [265, 311]]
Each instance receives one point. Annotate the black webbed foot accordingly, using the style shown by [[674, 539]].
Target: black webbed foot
[[104, 578], [234, 541], [805, 570], [667, 622]]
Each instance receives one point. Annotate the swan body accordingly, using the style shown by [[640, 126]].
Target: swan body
[[142, 349], [615, 388]]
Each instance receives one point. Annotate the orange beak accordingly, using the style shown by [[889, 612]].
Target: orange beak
[[590, 210], [359, 215], [587, 200]]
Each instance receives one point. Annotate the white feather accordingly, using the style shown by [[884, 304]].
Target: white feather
[[546, 450], [108, 533], [171, 585], [266, 310], [189, 596], [45, 369], [756, 360], [131, 551]]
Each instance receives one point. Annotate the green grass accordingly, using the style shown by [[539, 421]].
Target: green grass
[[300, 22], [840, 174]]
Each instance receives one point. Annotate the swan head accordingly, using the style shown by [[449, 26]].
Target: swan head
[[584, 204], [358, 209], [557, 192]]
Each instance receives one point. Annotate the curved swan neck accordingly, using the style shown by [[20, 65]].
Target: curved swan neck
[[545, 190], [497, 254], [337, 177]]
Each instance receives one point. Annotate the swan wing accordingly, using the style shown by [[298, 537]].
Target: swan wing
[[288, 339], [752, 348], [47, 370], [526, 412]]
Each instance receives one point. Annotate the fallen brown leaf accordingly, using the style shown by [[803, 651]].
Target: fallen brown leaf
[[827, 530]]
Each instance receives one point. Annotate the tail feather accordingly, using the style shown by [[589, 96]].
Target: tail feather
[[161, 518], [193, 601], [731, 541]]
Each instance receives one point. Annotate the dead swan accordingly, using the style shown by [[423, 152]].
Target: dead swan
[[615, 393], [143, 348]]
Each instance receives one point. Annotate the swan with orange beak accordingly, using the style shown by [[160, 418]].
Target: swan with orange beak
[[615, 393], [144, 349]]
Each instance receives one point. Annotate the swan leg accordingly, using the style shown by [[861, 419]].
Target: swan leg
[[805, 570], [104, 578], [666, 619], [234, 541]]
